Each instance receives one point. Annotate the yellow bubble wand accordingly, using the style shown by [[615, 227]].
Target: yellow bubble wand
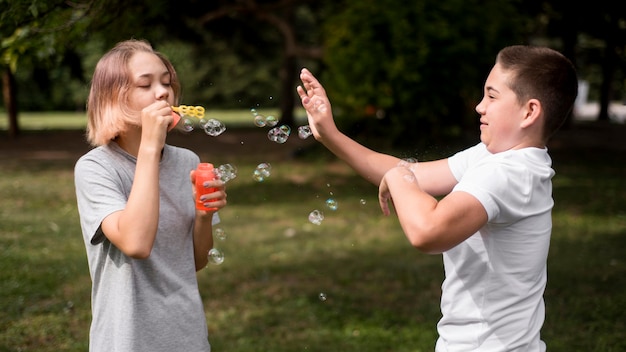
[[185, 110]]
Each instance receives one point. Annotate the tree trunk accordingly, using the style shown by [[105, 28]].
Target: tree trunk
[[570, 39], [10, 101], [287, 89], [608, 70]]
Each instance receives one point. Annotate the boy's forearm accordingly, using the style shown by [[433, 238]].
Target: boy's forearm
[[368, 163]]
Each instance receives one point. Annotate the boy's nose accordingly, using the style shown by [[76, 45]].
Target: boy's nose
[[480, 109]]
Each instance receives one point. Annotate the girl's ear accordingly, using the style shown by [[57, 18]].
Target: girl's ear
[[534, 111]]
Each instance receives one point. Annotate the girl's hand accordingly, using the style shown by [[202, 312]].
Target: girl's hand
[[216, 199], [155, 119]]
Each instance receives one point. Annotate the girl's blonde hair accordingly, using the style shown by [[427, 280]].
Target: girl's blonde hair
[[107, 103]]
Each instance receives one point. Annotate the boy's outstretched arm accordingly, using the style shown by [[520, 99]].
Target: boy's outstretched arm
[[434, 176], [368, 163]]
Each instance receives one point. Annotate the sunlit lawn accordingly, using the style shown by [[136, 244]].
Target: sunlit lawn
[[352, 283]]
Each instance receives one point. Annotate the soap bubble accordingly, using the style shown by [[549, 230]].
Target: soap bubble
[[331, 204], [259, 121], [362, 201], [271, 121], [262, 172], [322, 296], [220, 234], [409, 178], [216, 256], [316, 217], [188, 125], [409, 163], [214, 127], [279, 134], [226, 172], [304, 132]]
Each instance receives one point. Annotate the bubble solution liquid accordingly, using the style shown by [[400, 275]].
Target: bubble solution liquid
[[204, 172]]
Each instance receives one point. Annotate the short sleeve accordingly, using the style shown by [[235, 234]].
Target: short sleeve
[[99, 192], [460, 162], [501, 186]]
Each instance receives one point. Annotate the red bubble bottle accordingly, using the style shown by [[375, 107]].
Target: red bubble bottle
[[204, 172]]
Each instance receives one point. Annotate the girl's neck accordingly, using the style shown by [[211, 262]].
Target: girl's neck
[[130, 141]]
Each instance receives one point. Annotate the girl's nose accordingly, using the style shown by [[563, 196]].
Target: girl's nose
[[162, 93]]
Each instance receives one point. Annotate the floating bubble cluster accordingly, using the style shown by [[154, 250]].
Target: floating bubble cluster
[[262, 121], [215, 256], [214, 127], [220, 234], [279, 134], [192, 116], [304, 132], [226, 172], [332, 204], [316, 217], [261, 172]]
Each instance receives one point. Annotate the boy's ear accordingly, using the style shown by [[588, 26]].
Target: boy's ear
[[534, 111]]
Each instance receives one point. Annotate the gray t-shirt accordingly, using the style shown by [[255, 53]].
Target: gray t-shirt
[[148, 304]]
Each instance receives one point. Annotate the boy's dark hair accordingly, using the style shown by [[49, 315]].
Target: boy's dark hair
[[546, 75]]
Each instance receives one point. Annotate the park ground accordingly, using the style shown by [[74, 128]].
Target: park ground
[[377, 291]]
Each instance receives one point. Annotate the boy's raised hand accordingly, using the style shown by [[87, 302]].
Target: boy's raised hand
[[316, 103]]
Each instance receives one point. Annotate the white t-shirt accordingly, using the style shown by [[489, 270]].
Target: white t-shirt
[[148, 304], [492, 297]]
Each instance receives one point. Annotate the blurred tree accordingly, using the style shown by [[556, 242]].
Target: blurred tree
[[593, 36], [606, 20], [414, 69], [232, 54], [35, 31], [270, 37]]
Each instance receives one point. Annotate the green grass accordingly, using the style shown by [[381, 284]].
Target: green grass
[[78, 120], [381, 295]]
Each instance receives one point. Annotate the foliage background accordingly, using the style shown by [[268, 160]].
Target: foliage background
[[413, 68]]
